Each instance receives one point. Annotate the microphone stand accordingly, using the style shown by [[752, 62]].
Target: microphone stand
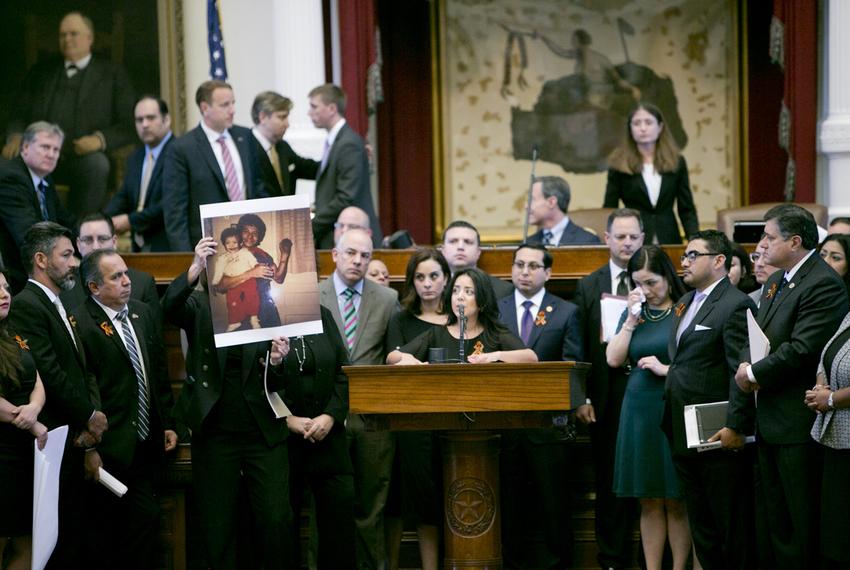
[[530, 186], [462, 323]]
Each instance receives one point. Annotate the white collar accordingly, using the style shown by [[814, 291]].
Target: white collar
[[536, 299], [261, 138], [111, 313], [80, 64], [707, 291], [212, 135], [340, 286], [50, 294], [334, 131], [789, 275]]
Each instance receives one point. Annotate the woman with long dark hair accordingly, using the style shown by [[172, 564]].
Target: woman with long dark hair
[[835, 250], [648, 173], [21, 400], [415, 483], [643, 465]]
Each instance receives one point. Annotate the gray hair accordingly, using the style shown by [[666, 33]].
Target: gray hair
[[42, 127]]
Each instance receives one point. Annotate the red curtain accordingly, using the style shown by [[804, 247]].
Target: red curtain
[[357, 53]]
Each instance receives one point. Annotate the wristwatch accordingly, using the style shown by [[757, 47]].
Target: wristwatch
[[829, 403]]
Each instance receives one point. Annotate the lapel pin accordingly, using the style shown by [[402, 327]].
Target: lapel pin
[[791, 285], [549, 308]]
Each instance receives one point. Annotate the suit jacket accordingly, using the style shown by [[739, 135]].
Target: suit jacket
[[71, 391], [558, 339], [659, 220], [704, 363], [190, 310], [604, 386], [105, 101], [149, 223], [798, 322], [143, 289], [191, 177], [501, 288], [344, 182], [573, 235], [20, 210], [109, 362], [292, 167], [376, 307]]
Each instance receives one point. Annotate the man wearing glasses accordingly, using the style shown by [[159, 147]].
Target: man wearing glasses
[[709, 330], [362, 310], [352, 218], [761, 271], [550, 327]]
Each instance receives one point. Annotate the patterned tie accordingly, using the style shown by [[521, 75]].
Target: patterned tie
[[234, 192], [689, 316], [527, 322], [274, 158], [349, 317], [143, 427], [548, 237], [325, 155], [42, 199], [623, 286], [62, 313]]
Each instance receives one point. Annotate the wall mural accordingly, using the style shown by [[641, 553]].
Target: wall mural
[[562, 76]]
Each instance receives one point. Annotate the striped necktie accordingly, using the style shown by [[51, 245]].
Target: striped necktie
[[143, 425], [234, 192], [349, 317], [42, 199]]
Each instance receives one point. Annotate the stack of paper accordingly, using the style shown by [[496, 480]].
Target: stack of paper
[[45, 496]]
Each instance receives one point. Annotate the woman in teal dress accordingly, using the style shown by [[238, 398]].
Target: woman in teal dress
[[643, 465]]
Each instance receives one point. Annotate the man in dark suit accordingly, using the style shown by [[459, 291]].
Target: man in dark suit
[[28, 195], [95, 232], [343, 178], [279, 164], [708, 334], [123, 346], [39, 317], [90, 98], [362, 310], [235, 434], [137, 207], [462, 248], [606, 387], [550, 200], [214, 162], [801, 307], [550, 327]]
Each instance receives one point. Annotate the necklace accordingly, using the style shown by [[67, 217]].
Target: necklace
[[659, 317], [301, 357]]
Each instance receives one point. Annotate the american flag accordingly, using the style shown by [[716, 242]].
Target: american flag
[[218, 68]]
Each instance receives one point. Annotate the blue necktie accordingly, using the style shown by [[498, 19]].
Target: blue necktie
[[42, 200], [527, 322]]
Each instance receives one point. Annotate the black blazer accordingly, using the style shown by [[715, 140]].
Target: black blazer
[[798, 321], [558, 339], [191, 177], [660, 221], [344, 182], [149, 222], [704, 363], [19, 209], [190, 310], [105, 101], [326, 392], [143, 289], [71, 392], [292, 167], [110, 364], [573, 235]]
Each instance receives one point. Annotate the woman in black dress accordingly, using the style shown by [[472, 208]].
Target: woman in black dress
[[21, 400], [485, 338], [316, 392], [648, 173], [415, 482]]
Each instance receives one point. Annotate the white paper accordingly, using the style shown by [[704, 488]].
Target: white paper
[[109, 481], [45, 496], [759, 343], [611, 309], [275, 401]]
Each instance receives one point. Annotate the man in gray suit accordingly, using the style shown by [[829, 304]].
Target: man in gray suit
[[343, 178], [362, 310]]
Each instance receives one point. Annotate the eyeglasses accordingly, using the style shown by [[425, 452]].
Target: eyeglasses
[[691, 256], [755, 256], [532, 266]]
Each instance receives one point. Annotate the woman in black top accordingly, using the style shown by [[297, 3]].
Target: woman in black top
[[415, 482], [648, 173], [21, 400], [485, 338], [316, 392]]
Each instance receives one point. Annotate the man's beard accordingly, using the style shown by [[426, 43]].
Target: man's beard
[[65, 282]]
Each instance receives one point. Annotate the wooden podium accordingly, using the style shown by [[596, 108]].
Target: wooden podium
[[467, 401]]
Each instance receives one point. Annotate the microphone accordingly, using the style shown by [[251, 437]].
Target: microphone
[[534, 153], [462, 323]]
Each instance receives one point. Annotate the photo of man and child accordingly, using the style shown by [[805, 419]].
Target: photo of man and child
[[256, 291]]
